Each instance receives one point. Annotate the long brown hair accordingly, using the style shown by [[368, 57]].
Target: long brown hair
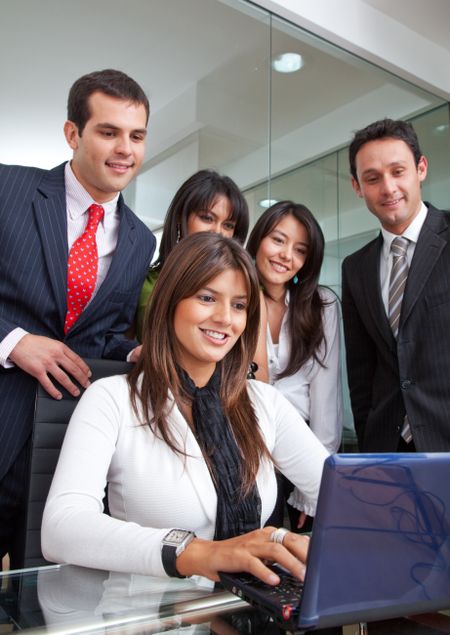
[[190, 266], [305, 304]]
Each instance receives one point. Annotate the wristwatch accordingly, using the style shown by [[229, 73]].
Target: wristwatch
[[174, 543]]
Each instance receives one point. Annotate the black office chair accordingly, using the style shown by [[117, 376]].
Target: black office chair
[[50, 422]]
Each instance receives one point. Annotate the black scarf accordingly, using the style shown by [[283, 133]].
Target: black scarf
[[236, 515]]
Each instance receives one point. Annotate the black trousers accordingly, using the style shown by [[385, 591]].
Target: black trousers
[[13, 503], [405, 447], [276, 518]]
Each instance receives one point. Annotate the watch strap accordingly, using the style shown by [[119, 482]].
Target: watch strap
[[169, 561]]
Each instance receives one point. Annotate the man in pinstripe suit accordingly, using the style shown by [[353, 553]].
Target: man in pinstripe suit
[[42, 213], [398, 368]]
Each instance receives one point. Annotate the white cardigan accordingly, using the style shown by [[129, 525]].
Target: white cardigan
[[150, 488]]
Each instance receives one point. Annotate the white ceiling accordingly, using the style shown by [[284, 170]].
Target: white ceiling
[[430, 18]]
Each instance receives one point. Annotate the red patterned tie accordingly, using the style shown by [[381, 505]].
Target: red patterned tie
[[82, 268]]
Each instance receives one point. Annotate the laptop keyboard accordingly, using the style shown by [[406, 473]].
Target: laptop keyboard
[[288, 591], [281, 602]]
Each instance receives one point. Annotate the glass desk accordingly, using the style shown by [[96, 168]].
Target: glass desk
[[66, 600]]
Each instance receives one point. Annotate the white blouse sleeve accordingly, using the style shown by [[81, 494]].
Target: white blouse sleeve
[[326, 412], [297, 452], [75, 530]]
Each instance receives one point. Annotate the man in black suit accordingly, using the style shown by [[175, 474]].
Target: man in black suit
[[396, 300], [44, 215]]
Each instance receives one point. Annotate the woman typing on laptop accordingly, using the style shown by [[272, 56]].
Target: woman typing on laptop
[[186, 445]]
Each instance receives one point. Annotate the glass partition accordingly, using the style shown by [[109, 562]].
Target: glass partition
[[324, 186], [220, 120]]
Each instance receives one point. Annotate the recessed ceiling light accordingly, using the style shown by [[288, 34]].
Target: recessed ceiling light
[[442, 129], [287, 63], [267, 202]]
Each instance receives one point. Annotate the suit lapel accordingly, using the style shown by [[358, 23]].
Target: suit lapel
[[372, 291], [51, 219], [122, 253], [428, 249]]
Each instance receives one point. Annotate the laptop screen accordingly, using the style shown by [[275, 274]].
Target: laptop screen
[[381, 541]]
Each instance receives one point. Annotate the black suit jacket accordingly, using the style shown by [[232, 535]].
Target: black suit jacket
[[33, 282], [388, 378]]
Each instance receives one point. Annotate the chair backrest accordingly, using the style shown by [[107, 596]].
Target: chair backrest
[[50, 423]]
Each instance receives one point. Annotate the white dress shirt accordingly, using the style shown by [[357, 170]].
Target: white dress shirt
[[78, 201], [386, 258], [314, 390]]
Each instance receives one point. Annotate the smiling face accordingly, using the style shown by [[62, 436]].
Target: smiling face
[[111, 148], [216, 219], [208, 324], [389, 182], [282, 253]]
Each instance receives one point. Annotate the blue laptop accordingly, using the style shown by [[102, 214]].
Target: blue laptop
[[380, 546]]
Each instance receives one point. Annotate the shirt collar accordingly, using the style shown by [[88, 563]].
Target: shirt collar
[[411, 232], [79, 200]]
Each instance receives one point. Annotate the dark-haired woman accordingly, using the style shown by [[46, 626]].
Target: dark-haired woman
[[185, 443], [207, 202], [303, 336]]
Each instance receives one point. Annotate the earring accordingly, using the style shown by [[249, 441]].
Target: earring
[[252, 370], [178, 232], [295, 279]]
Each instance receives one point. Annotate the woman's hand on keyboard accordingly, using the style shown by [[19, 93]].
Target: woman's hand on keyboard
[[245, 553]]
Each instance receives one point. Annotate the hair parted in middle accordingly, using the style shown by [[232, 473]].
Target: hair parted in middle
[[305, 303], [199, 192], [190, 266]]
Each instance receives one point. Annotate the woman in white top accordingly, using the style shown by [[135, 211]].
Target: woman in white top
[[303, 331], [185, 443]]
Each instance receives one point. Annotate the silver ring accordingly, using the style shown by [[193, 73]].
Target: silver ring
[[278, 535]]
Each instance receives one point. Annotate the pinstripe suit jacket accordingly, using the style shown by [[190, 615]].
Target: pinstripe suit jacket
[[33, 272], [388, 378]]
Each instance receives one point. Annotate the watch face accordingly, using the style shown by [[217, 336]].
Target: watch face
[[176, 536]]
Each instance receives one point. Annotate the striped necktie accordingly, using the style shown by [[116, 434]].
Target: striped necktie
[[397, 281]]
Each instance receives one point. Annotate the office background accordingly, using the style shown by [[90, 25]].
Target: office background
[[219, 99]]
